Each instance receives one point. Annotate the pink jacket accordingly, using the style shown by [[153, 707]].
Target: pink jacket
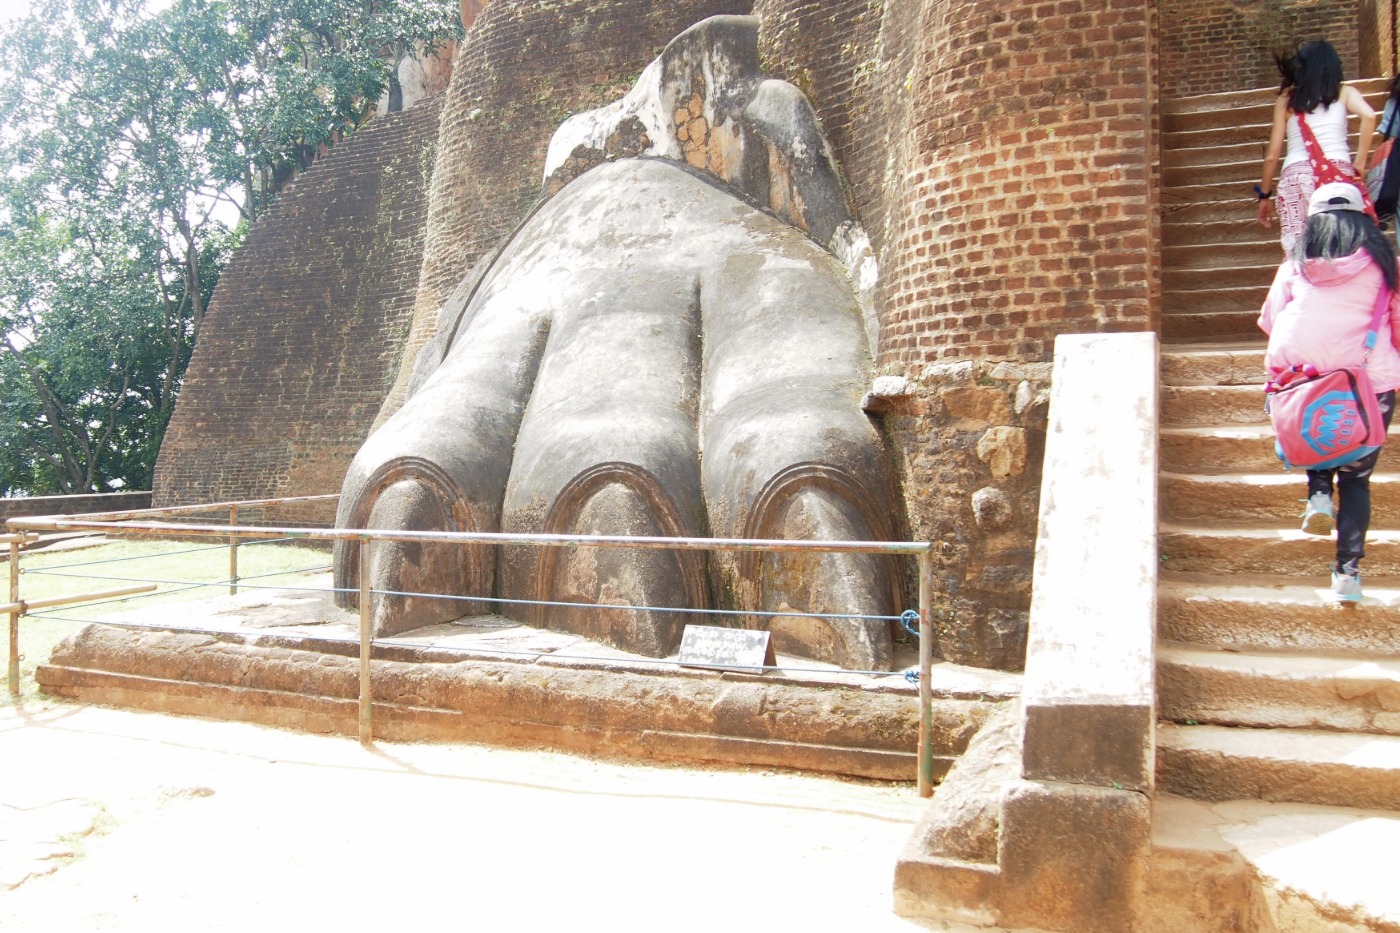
[[1320, 313]]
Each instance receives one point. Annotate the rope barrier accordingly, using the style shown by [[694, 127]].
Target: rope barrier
[[903, 618]]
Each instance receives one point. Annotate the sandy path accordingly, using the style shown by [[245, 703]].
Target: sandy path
[[202, 825]]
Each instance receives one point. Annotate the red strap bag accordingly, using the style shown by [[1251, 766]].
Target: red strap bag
[[1324, 172]]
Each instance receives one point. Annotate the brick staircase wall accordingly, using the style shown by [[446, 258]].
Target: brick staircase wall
[[1210, 46]]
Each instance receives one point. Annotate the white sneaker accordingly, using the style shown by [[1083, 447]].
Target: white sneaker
[[1317, 515], [1346, 588]]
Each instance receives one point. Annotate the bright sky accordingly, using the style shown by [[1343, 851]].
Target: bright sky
[[9, 9]]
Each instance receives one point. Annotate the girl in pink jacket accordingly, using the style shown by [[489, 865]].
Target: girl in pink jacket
[[1318, 311]]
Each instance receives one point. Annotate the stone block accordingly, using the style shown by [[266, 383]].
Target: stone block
[[1089, 689], [980, 404], [1073, 857], [992, 508], [1003, 450], [1089, 743]]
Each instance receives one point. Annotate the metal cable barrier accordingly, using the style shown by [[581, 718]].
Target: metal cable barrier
[[156, 523]]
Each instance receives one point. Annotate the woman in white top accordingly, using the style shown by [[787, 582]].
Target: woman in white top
[[1312, 90]]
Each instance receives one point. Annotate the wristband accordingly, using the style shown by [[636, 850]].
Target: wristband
[[1261, 194]]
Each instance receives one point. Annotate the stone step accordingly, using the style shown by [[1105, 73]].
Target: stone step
[[1224, 255], [1223, 449], [1239, 364], [1269, 498], [1209, 137], [1245, 142], [1279, 550], [1244, 108], [1209, 300], [1298, 765], [1251, 151], [1219, 101], [1278, 690], [1231, 230], [1242, 172], [1260, 613], [1187, 210], [1259, 272], [1215, 866], [1226, 101], [1178, 328], [1248, 112], [1218, 449], [1185, 406], [1244, 202]]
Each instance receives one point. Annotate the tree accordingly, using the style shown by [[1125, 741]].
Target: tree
[[135, 149]]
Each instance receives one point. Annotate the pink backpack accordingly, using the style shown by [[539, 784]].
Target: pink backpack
[[1323, 420]]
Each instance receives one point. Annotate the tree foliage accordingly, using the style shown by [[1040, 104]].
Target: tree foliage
[[135, 148]]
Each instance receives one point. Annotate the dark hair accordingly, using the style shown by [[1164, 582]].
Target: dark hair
[[1312, 75], [1334, 234]]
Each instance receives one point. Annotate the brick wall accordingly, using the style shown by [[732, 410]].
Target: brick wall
[[1225, 45], [304, 333], [30, 506], [1003, 159]]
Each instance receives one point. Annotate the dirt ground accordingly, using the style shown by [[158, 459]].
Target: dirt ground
[[119, 820]]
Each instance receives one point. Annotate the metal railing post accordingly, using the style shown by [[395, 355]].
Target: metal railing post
[[14, 619], [233, 552], [366, 690], [926, 673]]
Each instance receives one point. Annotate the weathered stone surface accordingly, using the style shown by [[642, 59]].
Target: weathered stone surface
[[1073, 857], [1003, 450], [1089, 688], [704, 101], [426, 695], [993, 508], [983, 405], [964, 819], [650, 354]]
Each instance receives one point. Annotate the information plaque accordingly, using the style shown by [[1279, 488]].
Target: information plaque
[[726, 649]]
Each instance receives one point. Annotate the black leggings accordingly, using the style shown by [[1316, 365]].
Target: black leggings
[[1353, 495]]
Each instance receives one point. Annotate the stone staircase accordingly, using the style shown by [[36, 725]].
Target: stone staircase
[[1265, 689], [1217, 261]]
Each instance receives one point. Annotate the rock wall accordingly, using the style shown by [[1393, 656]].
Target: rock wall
[[304, 334], [1224, 45]]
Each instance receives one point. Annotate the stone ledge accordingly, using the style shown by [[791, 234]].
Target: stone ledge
[[710, 718]]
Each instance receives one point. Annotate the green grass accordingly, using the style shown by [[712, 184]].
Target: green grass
[[118, 564]]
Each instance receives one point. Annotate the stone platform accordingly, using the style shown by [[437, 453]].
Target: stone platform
[[290, 658]]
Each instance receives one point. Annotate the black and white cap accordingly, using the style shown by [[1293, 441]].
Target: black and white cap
[[1335, 196]]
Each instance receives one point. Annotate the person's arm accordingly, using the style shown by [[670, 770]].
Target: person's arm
[[1271, 159], [1356, 103], [1279, 293]]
